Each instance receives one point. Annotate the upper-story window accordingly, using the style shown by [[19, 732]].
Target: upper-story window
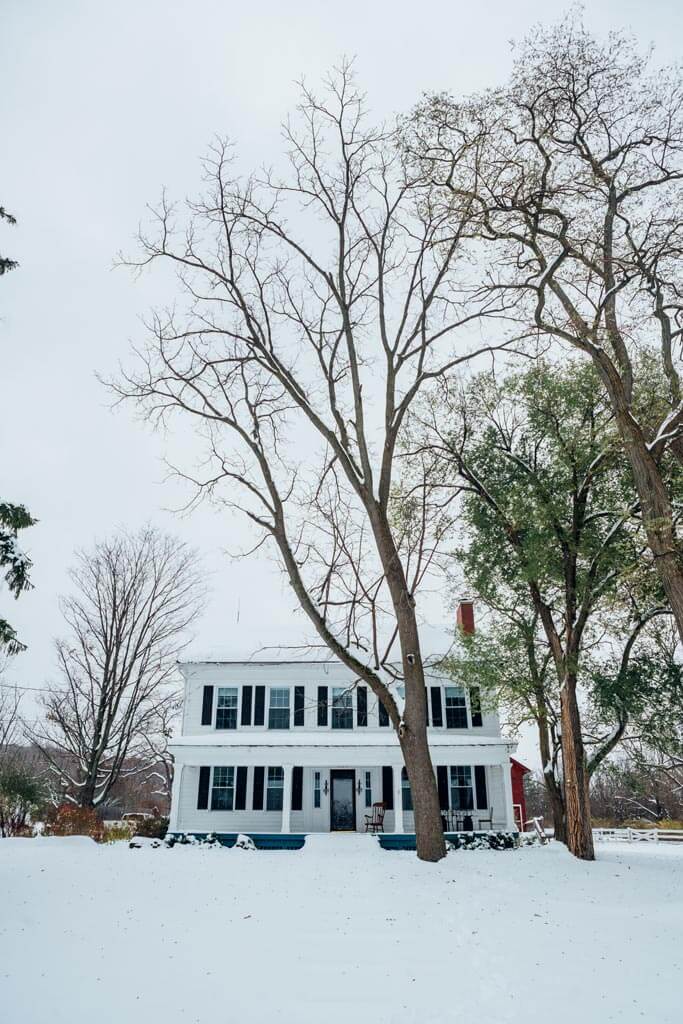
[[456, 708], [278, 710], [342, 708], [226, 708]]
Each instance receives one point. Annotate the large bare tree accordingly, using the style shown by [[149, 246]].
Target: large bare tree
[[579, 193], [316, 306], [135, 597]]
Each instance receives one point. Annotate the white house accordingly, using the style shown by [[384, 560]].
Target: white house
[[304, 746]]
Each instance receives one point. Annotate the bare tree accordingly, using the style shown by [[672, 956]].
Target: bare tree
[[10, 718], [317, 307], [579, 193], [135, 598]]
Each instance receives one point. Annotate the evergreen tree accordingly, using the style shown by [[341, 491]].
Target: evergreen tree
[[5, 263], [15, 563]]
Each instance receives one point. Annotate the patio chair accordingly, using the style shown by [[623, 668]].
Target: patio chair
[[486, 823], [375, 822]]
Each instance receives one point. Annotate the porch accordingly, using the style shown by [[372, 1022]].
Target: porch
[[296, 784]]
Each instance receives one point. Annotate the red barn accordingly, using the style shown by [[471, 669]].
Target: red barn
[[518, 771]]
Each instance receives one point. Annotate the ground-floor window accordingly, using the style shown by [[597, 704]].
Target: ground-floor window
[[406, 795], [276, 781], [316, 789], [223, 789], [462, 797], [368, 789]]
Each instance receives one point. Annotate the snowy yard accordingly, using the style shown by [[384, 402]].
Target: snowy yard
[[338, 932]]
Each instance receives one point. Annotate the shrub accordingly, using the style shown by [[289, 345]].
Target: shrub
[[152, 828], [71, 820], [20, 797], [118, 830]]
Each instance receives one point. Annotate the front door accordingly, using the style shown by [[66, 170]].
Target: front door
[[343, 801]]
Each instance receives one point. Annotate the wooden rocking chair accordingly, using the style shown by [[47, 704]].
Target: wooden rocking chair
[[375, 822]]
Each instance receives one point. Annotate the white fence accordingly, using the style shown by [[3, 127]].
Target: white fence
[[636, 835]]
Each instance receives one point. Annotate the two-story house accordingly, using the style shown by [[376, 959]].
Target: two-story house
[[304, 746]]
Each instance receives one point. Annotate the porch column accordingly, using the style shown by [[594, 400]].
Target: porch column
[[286, 799], [507, 788], [175, 797], [398, 800]]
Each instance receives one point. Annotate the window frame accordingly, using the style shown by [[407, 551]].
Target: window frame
[[453, 708], [317, 789], [227, 787], [454, 788], [279, 708], [406, 792], [270, 788], [235, 709], [368, 788], [347, 709]]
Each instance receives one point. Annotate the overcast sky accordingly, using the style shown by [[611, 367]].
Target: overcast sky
[[102, 104]]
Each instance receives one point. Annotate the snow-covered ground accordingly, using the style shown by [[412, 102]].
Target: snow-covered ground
[[338, 932]]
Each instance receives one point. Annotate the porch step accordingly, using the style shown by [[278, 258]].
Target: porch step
[[332, 844]]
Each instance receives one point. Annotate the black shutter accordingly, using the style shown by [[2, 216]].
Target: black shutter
[[361, 705], [383, 714], [388, 787], [475, 705], [442, 782], [297, 788], [203, 792], [437, 715], [480, 787], [246, 705], [259, 705], [322, 705], [241, 789], [299, 693], [207, 705], [257, 801]]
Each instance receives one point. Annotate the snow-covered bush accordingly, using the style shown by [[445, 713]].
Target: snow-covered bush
[[71, 820], [20, 798], [484, 841], [210, 840], [152, 828], [245, 843]]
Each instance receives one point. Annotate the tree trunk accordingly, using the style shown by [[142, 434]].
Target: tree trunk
[[557, 810], [552, 787], [578, 813], [429, 837], [654, 498]]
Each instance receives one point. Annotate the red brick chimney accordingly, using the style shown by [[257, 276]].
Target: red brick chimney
[[465, 617]]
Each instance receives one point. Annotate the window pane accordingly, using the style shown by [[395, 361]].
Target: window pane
[[316, 789], [462, 797], [223, 789], [226, 708], [278, 711], [456, 708], [342, 708], [368, 789], [406, 795], [276, 781]]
